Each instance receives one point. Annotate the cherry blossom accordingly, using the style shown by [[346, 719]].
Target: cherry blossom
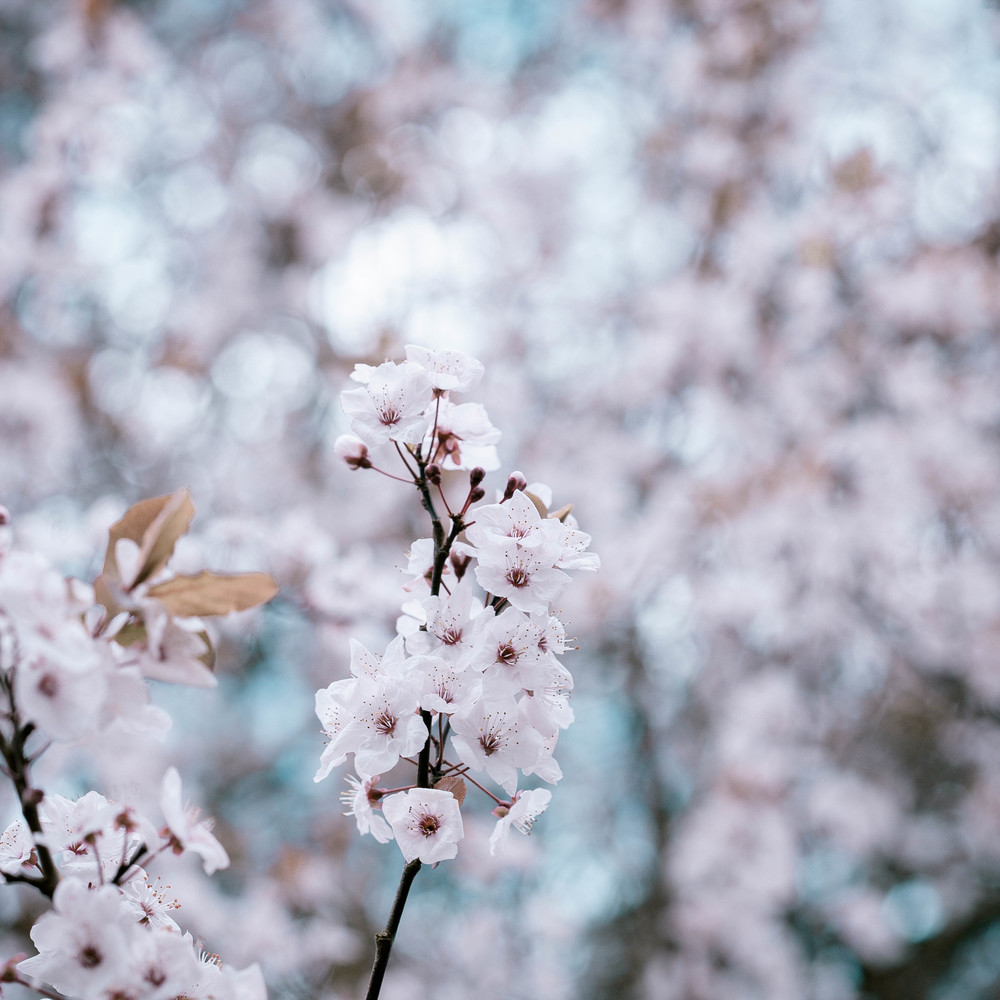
[[362, 803], [521, 813], [390, 404], [184, 828], [494, 735], [16, 848], [447, 370], [427, 823], [82, 942], [526, 577]]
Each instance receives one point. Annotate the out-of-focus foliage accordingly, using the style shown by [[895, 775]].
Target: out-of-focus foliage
[[732, 266]]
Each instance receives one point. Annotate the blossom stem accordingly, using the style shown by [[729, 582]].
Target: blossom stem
[[465, 774], [399, 479], [444, 500], [390, 791], [17, 768], [126, 863], [409, 468], [384, 940]]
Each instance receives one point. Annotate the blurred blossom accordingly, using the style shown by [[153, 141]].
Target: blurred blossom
[[731, 266]]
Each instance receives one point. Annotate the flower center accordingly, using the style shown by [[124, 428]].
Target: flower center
[[490, 742], [506, 654], [517, 576], [90, 957], [389, 415], [428, 825], [385, 723], [49, 685], [451, 635]]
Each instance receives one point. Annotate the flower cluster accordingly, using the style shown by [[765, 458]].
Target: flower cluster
[[91, 945], [110, 932], [473, 687], [74, 659]]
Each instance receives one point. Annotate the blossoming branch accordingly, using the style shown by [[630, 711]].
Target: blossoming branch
[[472, 691], [74, 661]]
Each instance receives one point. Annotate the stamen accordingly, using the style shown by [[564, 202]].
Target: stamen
[[385, 723]]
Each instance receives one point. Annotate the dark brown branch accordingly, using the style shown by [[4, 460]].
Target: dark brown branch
[[383, 941], [17, 763]]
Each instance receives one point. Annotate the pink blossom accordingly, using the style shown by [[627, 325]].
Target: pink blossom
[[185, 830], [427, 823]]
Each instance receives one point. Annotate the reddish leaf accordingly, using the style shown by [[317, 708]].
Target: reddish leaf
[[154, 525], [454, 785], [208, 593]]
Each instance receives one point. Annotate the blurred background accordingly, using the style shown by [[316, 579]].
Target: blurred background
[[732, 268]]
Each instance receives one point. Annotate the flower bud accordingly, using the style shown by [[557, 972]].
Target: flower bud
[[477, 494], [353, 451], [477, 475], [514, 483], [433, 472]]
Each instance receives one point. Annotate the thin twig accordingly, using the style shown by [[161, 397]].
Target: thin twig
[[383, 941]]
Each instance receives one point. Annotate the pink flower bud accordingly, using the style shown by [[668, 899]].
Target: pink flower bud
[[353, 451], [515, 482]]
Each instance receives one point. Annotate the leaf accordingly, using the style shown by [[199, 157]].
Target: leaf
[[154, 525], [208, 593], [543, 511], [562, 513], [161, 536], [454, 785]]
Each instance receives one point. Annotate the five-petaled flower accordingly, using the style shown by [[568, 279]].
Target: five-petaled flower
[[427, 823]]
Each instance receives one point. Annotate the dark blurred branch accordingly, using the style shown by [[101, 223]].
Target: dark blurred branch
[[930, 961], [625, 944]]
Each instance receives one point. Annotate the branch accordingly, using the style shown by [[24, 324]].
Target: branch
[[17, 769], [383, 941]]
